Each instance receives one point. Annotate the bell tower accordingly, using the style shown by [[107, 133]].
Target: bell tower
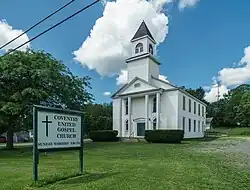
[[142, 63]]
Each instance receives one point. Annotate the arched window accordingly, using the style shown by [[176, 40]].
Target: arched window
[[154, 104], [126, 125], [150, 49], [139, 48], [154, 124]]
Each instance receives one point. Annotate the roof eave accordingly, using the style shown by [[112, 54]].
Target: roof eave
[[135, 39]]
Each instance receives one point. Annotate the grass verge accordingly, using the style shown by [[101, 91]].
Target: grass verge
[[120, 166]]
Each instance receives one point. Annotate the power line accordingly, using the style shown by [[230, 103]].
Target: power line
[[218, 90], [50, 15], [54, 26]]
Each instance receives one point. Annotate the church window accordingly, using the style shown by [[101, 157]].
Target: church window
[[194, 107], [151, 50], [154, 124], [154, 104], [189, 125], [126, 106], [194, 125], [183, 123], [139, 48], [184, 103], [126, 125], [199, 109], [189, 105]]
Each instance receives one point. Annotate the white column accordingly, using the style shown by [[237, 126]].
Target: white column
[[121, 117], [146, 111], [129, 116], [158, 110]]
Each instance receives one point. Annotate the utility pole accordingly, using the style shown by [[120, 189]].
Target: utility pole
[[218, 90]]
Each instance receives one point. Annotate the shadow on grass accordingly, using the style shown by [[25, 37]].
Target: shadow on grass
[[16, 152], [88, 177], [72, 178]]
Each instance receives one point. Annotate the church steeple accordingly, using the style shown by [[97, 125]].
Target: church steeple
[[142, 31], [142, 63], [143, 41]]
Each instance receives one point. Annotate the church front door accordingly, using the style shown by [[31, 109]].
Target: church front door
[[140, 129]]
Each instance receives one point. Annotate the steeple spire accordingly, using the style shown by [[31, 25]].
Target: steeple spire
[[142, 31]]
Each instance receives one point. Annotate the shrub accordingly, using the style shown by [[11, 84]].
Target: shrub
[[164, 136], [103, 135]]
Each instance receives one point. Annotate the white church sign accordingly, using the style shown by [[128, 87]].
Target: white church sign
[[56, 129]]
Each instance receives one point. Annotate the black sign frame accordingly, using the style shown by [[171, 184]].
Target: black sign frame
[[36, 151]]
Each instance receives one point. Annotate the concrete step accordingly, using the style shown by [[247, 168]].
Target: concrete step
[[131, 139]]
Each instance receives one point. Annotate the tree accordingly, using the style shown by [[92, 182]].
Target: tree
[[232, 109], [234, 99], [199, 93], [243, 110], [35, 77], [98, 117]]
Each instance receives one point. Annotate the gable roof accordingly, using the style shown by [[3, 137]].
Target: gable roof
[[142, 31], [180, 89], [164, 82], [126, 86]]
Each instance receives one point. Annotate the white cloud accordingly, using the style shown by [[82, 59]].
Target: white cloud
[[187, 3], [122, 78], [238, 75], [231, 77], [7, 33], [163, 77], [107, 93], [108, 44], [211, 96]]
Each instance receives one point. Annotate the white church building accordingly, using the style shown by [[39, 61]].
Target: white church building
[[149, 103]]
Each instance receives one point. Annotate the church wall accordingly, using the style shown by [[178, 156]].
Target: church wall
[[138, 68], [117, 115], [190, 115], [169, 110], [153, 69]]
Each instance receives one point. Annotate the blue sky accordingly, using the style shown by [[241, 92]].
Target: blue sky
[[201, 41]]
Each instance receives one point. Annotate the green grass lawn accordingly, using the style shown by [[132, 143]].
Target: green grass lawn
[[115, 166], [239, 131]]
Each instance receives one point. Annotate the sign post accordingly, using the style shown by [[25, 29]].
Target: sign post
[[54, 130]]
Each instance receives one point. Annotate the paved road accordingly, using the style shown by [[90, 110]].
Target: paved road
[[17, 144]]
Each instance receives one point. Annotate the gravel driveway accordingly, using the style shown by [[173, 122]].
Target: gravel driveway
[[236, 150], [235, 145]]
